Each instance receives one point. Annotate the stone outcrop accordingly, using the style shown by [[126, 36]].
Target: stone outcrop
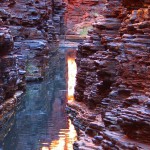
[[79, 16], [34, 26], [12, 79], [113, 79], [29, 31]]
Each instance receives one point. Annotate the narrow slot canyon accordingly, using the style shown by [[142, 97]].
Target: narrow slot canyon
[[74, 75]]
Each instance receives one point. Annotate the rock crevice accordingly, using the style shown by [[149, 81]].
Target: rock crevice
[[113, 78]]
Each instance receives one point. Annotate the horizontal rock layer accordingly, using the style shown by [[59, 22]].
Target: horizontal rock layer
[[79, 16], [113, 78], [29, 31]]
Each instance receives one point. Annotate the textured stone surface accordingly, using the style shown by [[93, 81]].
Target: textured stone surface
[[34, 26], [113, 78], [29, 31], [112, 108], [79, 16]]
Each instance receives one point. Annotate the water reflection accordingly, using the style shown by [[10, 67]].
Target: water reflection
[[41, 122], [66, 139]]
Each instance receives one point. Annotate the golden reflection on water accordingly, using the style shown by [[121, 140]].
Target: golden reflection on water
[[45, 148], [66, 139], [66, 136], [72, 71]]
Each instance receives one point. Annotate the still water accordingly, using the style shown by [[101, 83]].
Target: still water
[[40, 122]]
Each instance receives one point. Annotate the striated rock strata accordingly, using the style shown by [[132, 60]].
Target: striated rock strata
[[79, 16], [112, 108], [29, 31]]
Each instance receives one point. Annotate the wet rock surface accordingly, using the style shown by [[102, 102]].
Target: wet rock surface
[[113, 79], [29, 31]]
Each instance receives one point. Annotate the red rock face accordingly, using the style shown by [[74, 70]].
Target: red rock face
[[113, 77], [80, 14]]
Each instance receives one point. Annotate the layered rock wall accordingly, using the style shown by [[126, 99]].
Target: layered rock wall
[[79, 15], [29, 31], [113, 79]]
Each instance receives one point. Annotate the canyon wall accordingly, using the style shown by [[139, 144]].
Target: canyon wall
[[29, 31], [79, 16], [112, 108]]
